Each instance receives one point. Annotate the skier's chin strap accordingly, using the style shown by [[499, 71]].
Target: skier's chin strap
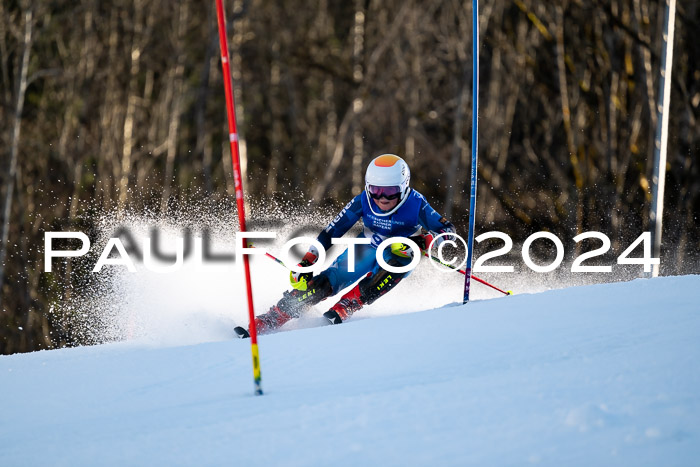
[[388, 213]]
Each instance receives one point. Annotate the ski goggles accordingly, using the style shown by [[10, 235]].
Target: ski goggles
[[388, 192]]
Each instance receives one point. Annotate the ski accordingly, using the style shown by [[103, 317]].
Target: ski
[[241, 332], [332, 317]]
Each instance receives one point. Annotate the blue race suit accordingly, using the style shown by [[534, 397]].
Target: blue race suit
[[406, 221]]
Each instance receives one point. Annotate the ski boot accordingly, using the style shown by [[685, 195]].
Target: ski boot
[[265, 323], [346, 306], [366, 292], [292, 305]]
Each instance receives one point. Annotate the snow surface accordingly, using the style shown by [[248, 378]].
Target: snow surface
[[593, 375]]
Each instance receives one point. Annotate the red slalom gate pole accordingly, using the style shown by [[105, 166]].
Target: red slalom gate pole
[[235, 158]]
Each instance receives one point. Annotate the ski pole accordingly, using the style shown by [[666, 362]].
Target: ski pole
[[276, 259], [461, 271], [509, 292], [279, 261]]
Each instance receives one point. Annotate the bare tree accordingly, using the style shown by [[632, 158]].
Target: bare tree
[[21, 89]]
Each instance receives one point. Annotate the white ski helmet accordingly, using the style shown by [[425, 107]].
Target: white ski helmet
[[387, 176]]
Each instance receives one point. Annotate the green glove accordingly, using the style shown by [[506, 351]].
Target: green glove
[[299, 279], [402, 250], [298, 282]]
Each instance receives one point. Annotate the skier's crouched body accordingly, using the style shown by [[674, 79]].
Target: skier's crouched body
[[388, 208]]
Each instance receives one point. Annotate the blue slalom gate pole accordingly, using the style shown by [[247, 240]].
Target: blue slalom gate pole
[[475, 146]]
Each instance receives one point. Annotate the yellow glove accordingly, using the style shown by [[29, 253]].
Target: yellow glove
[[402, 250], [298, 282], [299, 279]]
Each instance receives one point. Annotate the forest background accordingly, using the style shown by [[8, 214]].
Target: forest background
[[117, 106]]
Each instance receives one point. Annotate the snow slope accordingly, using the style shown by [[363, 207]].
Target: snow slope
[[593, 375]]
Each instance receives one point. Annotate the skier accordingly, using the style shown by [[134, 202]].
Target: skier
[[388, 208]]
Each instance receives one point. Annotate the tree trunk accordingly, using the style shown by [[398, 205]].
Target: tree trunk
[[138, 41], [203, 148], [357, 75], [14, 145], [457, 143], [176, 110], [566, 117]]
